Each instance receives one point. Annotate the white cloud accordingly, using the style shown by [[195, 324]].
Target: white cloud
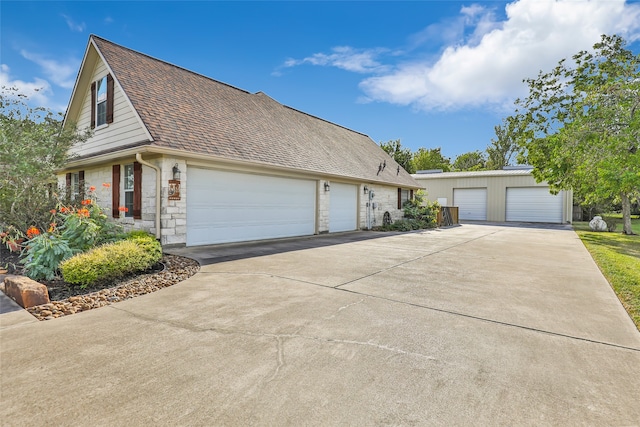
[[488, 68], [60, 73], [37, 92], [74, 26], [344, 57]]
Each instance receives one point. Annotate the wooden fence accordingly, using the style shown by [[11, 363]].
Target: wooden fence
[[447, 215]]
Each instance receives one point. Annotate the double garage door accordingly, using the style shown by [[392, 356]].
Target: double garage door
[[523, 204], [225, 206]]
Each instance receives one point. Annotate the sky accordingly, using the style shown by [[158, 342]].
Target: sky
[[430, 73]]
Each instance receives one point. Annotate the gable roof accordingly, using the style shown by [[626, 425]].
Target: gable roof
[[193, 113]]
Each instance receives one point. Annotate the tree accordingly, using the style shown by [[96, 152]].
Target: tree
[[402, 156], [430, 158], [471, 161], [502, 150], [579, 127], [33, 146]]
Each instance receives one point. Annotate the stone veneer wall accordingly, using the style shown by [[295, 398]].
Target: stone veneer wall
[[386, 199], [173, 213], [323, 204]]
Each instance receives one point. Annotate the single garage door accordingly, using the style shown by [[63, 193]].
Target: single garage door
[[234, 207], [533, 204], [343, 207], [471, 203]]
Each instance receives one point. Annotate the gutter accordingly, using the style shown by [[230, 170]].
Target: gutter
[[158, 191]]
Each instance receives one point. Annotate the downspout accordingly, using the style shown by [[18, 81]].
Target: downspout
[[158, 191]]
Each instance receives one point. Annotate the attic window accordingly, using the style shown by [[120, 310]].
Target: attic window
[[102, 102]]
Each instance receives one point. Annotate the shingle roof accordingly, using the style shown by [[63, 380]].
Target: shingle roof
[[188, 111]]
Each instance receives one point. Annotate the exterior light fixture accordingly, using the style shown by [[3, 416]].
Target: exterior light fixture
[[326, 186], [366, 189], [176, 172]]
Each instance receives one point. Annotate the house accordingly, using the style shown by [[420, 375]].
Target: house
[[498, 195], [197, 161]]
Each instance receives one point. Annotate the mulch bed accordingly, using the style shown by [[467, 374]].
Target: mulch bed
[[68, 299]]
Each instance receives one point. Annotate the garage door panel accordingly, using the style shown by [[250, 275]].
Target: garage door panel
[[533, 204], [227, 206], [343, 207], [471, 203]]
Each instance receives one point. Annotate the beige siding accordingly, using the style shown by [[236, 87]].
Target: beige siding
[[126, 127], [438, 187]]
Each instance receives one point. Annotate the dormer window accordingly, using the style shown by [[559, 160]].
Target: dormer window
[[102, 101]]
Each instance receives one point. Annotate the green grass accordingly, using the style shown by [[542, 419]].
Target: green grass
[[618, 257]]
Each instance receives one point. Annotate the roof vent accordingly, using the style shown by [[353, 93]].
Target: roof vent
[[429, 171], [517, 168]]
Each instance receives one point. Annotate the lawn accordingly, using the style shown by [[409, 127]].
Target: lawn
[[618, 257]]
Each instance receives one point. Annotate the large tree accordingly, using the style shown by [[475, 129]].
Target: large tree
[[471, 161], [33, 146], [430, 158], [502, 150], [580, 125], [401, 155]]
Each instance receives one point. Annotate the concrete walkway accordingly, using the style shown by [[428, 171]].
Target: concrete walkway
[[474, 325]]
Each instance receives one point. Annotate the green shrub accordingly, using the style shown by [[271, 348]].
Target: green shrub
[[43, 255], [149, 244], [424, 212], [112, 260]]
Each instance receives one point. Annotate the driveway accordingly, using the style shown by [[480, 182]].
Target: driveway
[[473, 325]]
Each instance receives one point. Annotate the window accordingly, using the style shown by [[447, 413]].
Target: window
[[127, 179], [404, 196], [75, 186], [128, 189], [74, 193], [101, 101]]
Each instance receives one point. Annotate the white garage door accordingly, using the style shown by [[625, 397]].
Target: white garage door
[[235, 207], [533, 204], [343, 207], [471, 203]]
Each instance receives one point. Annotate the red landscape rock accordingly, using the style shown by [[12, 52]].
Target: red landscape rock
[[26, 292]]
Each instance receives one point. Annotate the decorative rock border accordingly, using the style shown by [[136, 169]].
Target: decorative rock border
[[177, 269]]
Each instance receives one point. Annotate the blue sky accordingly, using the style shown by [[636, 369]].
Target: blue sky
[[430, 73]]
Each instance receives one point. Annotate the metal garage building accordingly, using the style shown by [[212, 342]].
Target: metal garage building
[[498, 195]]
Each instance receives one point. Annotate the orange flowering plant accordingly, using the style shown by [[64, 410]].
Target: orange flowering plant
[[71, 230]]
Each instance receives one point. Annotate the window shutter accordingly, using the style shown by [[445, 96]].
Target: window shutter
[[93, 105], [109, 98], [411, 195], [399, 198], [115, 191], [137, 190], [81, 184], [68, 182]]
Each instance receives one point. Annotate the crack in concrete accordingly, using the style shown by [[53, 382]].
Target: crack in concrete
[[280, 338], [344, 307], [279, 358]]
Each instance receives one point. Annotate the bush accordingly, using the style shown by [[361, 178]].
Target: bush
[[43, 255], [425, 212], [112, 261], [71, 230]]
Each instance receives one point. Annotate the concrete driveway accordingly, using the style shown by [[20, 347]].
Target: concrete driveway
[[474, 325]]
